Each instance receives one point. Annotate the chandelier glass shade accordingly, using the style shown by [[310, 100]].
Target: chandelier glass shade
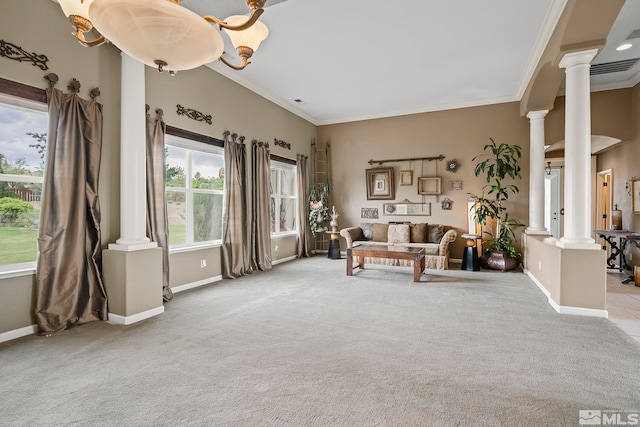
[[163, 34]]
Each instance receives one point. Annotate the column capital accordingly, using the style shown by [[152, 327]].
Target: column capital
[[537, 115], [582, 57]]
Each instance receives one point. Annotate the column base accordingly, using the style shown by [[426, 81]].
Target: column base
[[537, 231], [131, 246], [588, 244], [133, 280]]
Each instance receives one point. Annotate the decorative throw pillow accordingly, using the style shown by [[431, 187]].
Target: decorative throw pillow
[[435, 233], [418, 233], [380, 232], [367, 230], [398, 233]]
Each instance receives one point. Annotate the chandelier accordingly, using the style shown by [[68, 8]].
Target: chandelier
[[163, 34]]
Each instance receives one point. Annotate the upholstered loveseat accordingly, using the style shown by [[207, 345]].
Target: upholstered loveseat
[[434, 238]]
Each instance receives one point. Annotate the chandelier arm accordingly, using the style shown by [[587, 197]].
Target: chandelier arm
[[88, 43], [255, 14], [244, 63], [81, 26]]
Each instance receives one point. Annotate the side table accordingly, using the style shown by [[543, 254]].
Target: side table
[[334, 245], [470, 261]]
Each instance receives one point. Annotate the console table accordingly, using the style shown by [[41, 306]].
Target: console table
[[618, 247]]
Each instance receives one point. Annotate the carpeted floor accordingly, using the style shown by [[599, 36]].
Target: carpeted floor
[[304, 345]]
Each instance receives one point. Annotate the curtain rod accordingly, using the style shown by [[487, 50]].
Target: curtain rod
[[440, 157]]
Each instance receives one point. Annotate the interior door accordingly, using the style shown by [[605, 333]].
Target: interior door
[[552, 202]]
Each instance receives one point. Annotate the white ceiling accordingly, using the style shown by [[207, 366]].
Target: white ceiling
[[363, 59]]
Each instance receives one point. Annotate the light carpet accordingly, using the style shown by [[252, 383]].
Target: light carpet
[[305, 345]]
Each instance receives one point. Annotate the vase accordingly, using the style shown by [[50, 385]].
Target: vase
[[498, 260]]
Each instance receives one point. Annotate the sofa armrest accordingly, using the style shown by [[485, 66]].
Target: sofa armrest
[[448, 237], [352, 234]]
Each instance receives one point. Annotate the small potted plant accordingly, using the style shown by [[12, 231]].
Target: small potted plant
[[501, 161]]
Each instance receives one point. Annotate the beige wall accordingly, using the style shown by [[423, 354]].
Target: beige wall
[[624, 161], [456, 134], [232, 106], [185, 267], [572, 277]]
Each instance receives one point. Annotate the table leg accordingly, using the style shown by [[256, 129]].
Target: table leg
[[417, 271], [349, 263]]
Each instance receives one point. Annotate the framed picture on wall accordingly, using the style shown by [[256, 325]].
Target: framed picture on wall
[[406, 177], [635, 195], [380, 185], [429, 185]]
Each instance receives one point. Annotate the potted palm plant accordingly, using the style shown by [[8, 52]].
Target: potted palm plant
[[500, 161]]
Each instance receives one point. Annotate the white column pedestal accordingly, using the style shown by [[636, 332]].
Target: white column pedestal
[[132, 267], [577, 185], [536, 173], [133, 159]]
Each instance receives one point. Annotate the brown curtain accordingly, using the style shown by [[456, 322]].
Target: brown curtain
[[302, 175], [236, 258], [69, 288], [260, 208], [157, 223]]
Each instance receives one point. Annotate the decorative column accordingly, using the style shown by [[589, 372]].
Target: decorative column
[[133, 159], [132, 267], [536, 173], [577, 152]]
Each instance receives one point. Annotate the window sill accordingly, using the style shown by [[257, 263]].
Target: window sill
[[17, 270], [285, 234], [193, 248]]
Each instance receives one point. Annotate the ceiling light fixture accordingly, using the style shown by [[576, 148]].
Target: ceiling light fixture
[[163, 34], [624, 46]]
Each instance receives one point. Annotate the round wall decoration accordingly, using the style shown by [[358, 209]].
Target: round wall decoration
[[452, 165]]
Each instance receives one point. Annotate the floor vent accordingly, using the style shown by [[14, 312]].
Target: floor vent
[[613, 67]]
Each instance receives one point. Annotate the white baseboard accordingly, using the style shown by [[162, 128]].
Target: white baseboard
[[18, 333], [455, 260], [280, 261], [196, 284], [117, 319], [566, 309], [538, 284], [579, 311]]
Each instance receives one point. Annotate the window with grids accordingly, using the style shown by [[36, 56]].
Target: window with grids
[[284, 197], [23, 137], [195, 191]]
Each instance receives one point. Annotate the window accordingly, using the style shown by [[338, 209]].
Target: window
[[23, 137], [195, 191], [284, 197]]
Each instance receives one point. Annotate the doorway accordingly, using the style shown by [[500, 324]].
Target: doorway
[[552, 208], [604, 200]]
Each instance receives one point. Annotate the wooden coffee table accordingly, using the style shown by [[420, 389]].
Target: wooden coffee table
[[394, 252]]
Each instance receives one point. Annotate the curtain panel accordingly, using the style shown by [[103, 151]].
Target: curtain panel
[[261, 208], [236, 257], [302, 176], [69, 288], [157, 222]]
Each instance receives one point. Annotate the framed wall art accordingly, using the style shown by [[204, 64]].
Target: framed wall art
[[407, 208], [635, 195], [406, 177], [429, 185], [380, 185]]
